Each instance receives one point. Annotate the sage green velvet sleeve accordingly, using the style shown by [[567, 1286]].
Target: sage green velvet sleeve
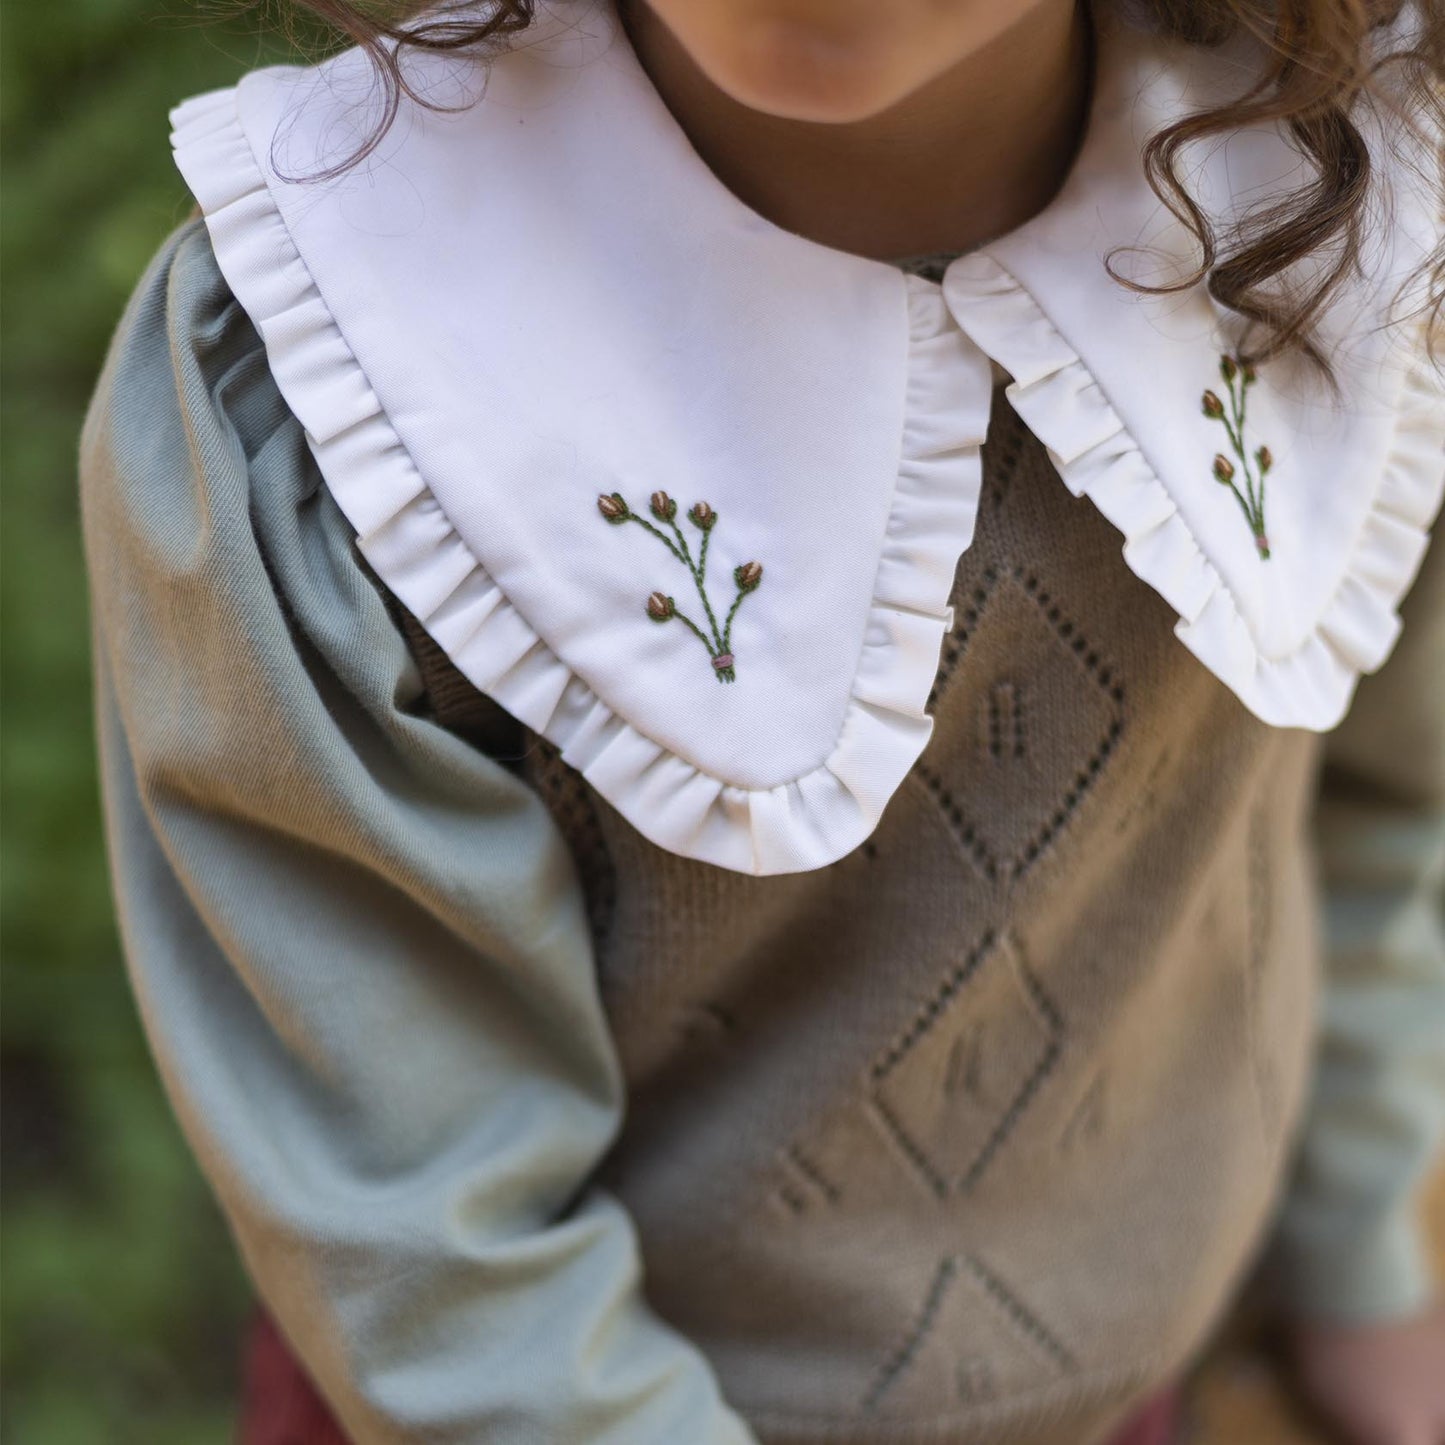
[[358, 944], [1353, 1242]]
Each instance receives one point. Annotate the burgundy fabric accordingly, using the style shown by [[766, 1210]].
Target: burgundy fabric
[[280, 1406], [1156, 1424]]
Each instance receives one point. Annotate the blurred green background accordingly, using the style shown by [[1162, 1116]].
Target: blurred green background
[[122, 1295]]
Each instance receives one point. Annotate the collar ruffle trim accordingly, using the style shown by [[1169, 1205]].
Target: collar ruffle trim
[[827, 810], [1063, 404], [402, 531]]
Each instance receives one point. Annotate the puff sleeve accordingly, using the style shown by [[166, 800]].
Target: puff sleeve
[[358, 944], [1352, 1240]]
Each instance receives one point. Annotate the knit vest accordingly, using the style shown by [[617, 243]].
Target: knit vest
[[970, 1135]]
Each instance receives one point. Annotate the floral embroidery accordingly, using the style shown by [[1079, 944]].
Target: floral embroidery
[[1238, 378], [663, 608]]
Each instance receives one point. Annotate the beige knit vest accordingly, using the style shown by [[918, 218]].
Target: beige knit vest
[[969, 1136]]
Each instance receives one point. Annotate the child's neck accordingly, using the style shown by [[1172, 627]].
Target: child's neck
[[968, 156]]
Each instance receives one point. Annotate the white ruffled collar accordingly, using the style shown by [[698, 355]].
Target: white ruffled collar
[[546, 299]]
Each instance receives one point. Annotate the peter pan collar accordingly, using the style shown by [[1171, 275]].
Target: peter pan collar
[[530, 338]]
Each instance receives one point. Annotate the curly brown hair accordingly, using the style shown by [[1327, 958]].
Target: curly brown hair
[[1321, 65]]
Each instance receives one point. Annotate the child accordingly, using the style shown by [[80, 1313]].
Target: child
[[682, 888]]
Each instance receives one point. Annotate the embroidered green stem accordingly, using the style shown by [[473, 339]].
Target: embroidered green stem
[[699, 575], [663, 537], [732, 612], [1238, 378], [683, 617], [663, 608]]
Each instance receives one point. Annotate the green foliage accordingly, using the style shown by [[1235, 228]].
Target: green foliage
[[122, 1292]]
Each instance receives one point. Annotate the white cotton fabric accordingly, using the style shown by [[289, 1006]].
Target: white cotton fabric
[[547, 295]]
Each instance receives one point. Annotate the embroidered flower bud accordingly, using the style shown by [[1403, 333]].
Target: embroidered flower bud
[[1213, 407], [612, 506], [1265, 459], [1228, 368], [748, 575], [1262, 542], [1223, 469], [1250, 376], [660, 607], [703, 515], [663, 507]]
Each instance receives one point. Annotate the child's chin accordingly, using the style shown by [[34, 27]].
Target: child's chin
[[803, 72]]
